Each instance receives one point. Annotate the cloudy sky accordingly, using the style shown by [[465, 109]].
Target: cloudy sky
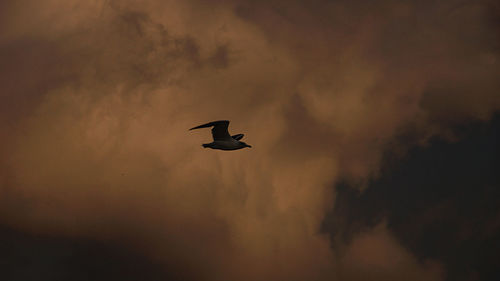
[[373, 124]]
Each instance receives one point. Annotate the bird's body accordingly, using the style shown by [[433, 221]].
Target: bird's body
[[225, 144], [222, 139]]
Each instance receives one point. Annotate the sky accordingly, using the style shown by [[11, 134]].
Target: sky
[[373, 124]]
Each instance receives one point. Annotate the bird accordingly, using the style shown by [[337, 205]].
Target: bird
[[222, 139]]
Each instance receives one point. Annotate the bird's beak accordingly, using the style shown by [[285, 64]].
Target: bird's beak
[[249, 145]]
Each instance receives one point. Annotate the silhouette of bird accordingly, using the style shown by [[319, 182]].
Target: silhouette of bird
[[222, 139]]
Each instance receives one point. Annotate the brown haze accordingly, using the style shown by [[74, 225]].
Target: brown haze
[[97, 97]]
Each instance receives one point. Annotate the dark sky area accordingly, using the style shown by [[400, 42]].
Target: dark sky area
[[441, 201], [373, 124], [27, 256]]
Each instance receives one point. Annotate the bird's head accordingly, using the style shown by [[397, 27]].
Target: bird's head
[[245, 144]]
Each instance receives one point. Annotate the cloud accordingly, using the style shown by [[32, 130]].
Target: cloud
[[99, 97], [377, 255]]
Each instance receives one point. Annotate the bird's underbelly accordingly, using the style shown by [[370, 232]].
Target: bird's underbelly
[[226, 145]]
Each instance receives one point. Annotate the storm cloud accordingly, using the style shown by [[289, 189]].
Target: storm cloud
[[97, 98]]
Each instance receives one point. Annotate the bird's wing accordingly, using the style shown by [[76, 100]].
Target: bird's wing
[[219, 130], [238, 136]]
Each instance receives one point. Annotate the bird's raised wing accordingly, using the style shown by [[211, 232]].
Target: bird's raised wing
[[238, 136], [219, 130]]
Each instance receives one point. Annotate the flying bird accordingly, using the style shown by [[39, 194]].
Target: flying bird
[[222, 139]]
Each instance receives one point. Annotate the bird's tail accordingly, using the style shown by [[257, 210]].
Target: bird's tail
[[205, 145]]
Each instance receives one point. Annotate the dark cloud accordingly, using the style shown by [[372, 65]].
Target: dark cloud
[[27, 256], [440, 201]]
